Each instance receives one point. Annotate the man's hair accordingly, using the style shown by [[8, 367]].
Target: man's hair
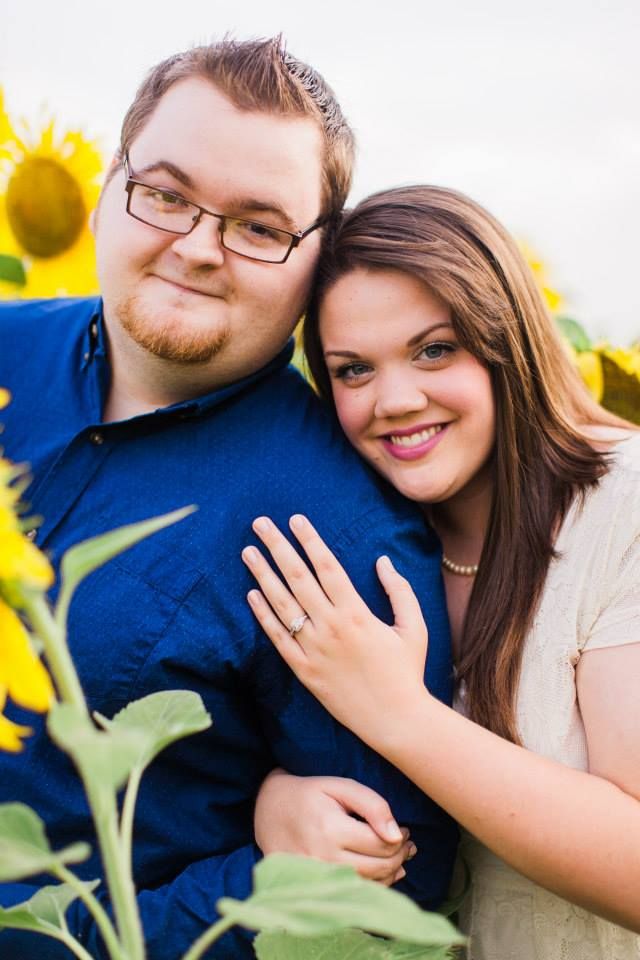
[[541, 459], [258, 75]]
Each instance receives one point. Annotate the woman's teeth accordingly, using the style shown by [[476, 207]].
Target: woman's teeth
[[414, 439]]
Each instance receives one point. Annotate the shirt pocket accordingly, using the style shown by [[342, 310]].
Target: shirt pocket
[[119, 614]]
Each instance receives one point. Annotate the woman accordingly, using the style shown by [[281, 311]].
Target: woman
[[430, 339]]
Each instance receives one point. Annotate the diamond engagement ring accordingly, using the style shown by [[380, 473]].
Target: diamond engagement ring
[[296, 625]]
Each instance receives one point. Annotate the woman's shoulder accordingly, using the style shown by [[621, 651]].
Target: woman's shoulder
[[624, 460], [622, 448], [607, 516]]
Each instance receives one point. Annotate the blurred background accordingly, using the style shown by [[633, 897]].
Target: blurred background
[[532, 109]]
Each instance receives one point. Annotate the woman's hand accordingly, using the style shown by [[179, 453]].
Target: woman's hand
[[312, 816], [360, 668]]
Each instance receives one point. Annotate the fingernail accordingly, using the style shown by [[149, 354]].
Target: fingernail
[[253, 597], [261, 525], [412, 851], [393, 831], [385, 563], [296, 522], [249, 555], [400, 874]]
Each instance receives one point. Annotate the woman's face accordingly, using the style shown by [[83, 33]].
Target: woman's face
[[410, 399]]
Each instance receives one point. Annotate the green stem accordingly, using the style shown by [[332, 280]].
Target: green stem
[[75, 946], [128, 811], [104, 810], [96, 910], [56, 650], [196, 949], [117, 870]]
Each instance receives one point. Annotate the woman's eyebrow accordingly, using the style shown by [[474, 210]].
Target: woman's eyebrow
[[443, 324]]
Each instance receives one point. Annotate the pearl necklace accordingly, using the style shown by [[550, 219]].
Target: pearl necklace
[[461, 569]]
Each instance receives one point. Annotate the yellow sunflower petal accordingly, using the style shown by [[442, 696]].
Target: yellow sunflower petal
[[11, 735], [22, 673], [590, 367], [628, 360], [22, 562]]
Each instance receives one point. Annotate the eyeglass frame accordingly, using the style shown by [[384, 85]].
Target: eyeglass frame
[[294, 238]]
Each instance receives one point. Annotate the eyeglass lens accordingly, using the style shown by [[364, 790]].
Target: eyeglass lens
[[170, 212]]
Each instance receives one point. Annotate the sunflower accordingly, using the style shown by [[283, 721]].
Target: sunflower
[[23, 677], [48, 187], [552, 298]]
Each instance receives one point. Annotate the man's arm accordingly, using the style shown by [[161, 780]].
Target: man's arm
[[307, 741], [173, 915]]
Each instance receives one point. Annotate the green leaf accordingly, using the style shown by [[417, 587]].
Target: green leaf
[[159, 720], [309, 898], [81, 560], [104, 758], [24, 848], [574, 333], [44, 912], [345, 945], [12, 270]]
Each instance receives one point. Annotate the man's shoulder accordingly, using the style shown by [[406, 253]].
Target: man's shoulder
[[299, 454], [24, 314]]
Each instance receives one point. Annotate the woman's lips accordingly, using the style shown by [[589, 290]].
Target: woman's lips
[[413, 444]]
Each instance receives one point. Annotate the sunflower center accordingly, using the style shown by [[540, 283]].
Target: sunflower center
[[45, 207]]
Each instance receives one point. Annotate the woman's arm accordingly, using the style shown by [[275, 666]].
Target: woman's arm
[[316, 816], [574, 833]]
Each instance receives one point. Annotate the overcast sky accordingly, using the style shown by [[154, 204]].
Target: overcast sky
[[531, 108]]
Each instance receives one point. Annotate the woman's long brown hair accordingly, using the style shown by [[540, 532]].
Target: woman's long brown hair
[[541, 459]]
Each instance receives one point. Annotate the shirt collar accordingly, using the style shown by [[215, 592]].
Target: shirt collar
[[95, 348]]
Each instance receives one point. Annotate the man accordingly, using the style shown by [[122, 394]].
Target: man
[[174, 389]]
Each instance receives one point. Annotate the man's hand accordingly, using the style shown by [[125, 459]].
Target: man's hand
[[317, 817]]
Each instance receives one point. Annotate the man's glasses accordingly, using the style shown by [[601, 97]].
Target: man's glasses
[[170, 212]]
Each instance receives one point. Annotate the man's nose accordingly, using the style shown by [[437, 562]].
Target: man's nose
[[204, 244], [399, 395]]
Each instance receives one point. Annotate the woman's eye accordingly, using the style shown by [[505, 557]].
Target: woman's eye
[[436, 351], [352, 371]]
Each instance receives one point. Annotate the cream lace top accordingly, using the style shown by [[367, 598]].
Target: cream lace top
[[591, 600]]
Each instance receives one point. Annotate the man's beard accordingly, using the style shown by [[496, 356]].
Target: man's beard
[[165, 339]]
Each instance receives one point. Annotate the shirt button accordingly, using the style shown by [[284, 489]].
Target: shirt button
[[96, 437], [31, 534]]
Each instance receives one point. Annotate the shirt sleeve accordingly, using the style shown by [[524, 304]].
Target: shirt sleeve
[[173, 916], [618, 620]]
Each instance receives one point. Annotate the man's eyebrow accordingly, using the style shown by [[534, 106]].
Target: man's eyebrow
[[240, 204], [247, 204], [443, 324], [176, 172]]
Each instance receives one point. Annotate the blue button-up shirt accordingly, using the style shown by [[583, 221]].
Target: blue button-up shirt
[[171, 613]]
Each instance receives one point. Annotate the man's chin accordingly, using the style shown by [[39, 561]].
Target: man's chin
[[174, 339]]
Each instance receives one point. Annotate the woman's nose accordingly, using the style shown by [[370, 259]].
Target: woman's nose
[[398, 396]]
